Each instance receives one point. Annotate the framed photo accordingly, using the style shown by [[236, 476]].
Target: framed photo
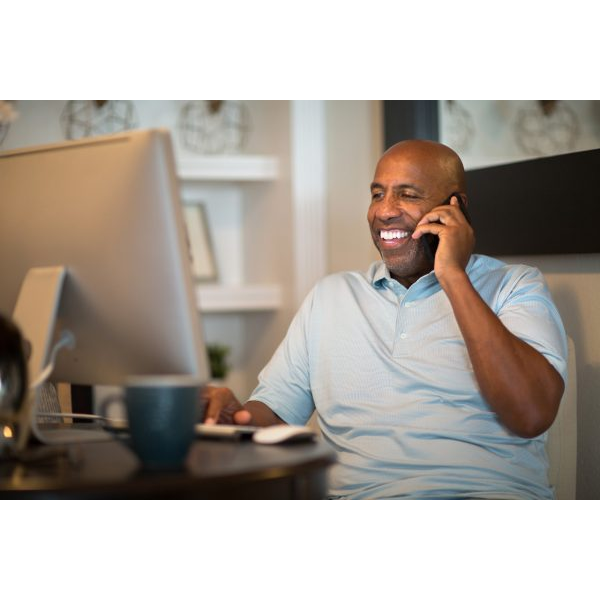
[[204, 267]]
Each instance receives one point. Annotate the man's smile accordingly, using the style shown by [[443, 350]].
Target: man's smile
[[392, 238]]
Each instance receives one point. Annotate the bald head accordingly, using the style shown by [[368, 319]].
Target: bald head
[[437, 160]]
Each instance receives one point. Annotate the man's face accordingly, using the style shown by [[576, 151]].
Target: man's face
[[405, 188]]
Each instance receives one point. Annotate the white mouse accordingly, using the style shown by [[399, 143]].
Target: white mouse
[[278, 434]]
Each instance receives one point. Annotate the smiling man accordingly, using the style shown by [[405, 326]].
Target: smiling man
[[410, 180], [433, 375]]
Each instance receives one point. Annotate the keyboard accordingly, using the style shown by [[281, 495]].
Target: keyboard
[[200, 429], [225, 431]]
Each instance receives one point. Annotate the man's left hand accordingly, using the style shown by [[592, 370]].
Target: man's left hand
[[456, 237]]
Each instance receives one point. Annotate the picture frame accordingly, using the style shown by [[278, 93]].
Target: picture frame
[[204, 266]]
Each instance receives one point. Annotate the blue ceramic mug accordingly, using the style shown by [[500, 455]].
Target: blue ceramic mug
[[162, 412]]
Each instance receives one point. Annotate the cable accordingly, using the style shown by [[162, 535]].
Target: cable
[[61, 415], [66, 340]]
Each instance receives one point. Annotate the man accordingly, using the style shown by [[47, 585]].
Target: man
[[427, 383]]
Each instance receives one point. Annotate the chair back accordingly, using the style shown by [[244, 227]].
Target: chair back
[[561, 444]]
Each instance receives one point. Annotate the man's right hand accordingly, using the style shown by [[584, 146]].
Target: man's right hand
[[223, 407]]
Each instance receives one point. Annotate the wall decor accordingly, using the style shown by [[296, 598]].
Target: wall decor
[[84, 118], [460, 126], [505, 131], [547, 127], [213, 126], [204, 266]]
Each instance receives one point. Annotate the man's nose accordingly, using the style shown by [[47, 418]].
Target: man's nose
[[389, 207]]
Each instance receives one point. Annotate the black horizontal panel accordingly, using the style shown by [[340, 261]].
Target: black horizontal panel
[[542, 206]]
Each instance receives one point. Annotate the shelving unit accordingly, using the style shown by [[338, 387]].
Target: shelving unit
[[231, 171], [229, 167], [246, 298]]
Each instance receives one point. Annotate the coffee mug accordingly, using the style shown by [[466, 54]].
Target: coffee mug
[[161, 413]]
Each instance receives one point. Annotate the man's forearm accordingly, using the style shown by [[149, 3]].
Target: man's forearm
[[519, 384], [262, 415]]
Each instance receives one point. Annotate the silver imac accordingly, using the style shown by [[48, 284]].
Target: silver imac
[[107, 212]]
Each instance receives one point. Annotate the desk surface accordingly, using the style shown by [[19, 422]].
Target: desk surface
[[220, 469]]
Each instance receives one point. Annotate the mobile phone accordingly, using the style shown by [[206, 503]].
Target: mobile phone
[[430, 240]]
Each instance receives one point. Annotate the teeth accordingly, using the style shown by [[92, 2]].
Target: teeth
[[393, 234]]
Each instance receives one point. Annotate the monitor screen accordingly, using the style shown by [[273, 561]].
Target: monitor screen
[[107, 209]]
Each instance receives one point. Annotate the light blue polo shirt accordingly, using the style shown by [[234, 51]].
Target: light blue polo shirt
[[387, 371]]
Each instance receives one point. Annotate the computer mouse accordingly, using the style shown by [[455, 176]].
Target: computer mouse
[[280, 434]]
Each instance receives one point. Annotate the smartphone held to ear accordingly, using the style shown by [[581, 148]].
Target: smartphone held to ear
[[431, 241]]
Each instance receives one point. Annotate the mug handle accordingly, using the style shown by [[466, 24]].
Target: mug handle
[[110, 422]]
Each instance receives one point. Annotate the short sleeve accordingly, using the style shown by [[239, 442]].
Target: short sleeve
[[284, 383], [528, 311]]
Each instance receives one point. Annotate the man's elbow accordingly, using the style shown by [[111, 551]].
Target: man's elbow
[[532, 428], [539, 418]]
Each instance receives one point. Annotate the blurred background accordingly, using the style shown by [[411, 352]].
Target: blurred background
[[283, 190]]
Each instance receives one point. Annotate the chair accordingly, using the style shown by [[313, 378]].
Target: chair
[[561, 444]]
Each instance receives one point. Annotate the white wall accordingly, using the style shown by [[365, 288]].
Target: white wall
[[354, 144]]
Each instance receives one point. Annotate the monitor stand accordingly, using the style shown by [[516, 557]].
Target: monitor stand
[[35, 315]]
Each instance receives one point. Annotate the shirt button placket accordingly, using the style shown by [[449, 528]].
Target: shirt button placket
[[401, 341]]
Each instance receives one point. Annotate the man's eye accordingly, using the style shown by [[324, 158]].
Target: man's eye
[[376, 196]]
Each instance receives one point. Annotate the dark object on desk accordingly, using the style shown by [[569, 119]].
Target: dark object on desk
[[542, 206], [13, 387], [214, 470], [13, 368], [225, 432]]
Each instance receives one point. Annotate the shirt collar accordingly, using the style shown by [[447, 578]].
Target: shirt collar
[[426, 285], [380, 277], [379, 274]]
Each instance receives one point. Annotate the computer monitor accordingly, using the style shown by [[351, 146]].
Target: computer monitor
[[108, 209]]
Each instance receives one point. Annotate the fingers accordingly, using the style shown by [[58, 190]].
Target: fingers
[[221, 406], [435, 220], [242, 417], [434, 227]]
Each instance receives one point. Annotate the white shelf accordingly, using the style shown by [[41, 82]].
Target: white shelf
[[246, 298], [229, 167]]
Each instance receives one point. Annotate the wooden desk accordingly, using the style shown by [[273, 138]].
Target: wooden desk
[[214, 470]]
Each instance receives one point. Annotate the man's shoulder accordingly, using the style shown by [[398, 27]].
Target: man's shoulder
[[497, 280], [481, 265], [340, 283], [344, 278]]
